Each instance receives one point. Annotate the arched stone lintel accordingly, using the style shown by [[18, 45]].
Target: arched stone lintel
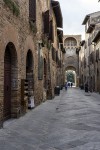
[[71, 37], [70, 68], [6, 39], [29, 45]]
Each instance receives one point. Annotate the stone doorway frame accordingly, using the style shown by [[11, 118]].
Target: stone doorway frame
[[15, 102]]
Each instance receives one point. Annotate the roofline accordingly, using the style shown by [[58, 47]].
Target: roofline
[[57, 9], [85, 19], [88, 16]]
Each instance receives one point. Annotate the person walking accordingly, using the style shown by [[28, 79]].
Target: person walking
[[86, 87], [71, 84], [66, 86]]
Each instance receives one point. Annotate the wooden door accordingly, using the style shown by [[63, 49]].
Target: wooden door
[[7, 85]]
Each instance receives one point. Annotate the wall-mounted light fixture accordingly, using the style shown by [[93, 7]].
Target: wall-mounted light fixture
[[93, 43]]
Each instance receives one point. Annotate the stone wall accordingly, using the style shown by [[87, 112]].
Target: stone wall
[[16, 29], [17, 34]]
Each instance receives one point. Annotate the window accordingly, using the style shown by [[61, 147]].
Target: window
[[32, 10]]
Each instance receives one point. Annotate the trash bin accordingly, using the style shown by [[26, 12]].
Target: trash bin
[[57, 90], [81, 87], [31, 102], [61, 87]]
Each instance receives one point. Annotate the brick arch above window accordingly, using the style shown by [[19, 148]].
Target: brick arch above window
[[70, 41]]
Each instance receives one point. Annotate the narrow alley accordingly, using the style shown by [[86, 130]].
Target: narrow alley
[[69, 121]]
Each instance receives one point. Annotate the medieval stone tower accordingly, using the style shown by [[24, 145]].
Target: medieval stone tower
[[71, 63]]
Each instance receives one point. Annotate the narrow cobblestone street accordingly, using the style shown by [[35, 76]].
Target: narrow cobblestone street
[[69, 121]]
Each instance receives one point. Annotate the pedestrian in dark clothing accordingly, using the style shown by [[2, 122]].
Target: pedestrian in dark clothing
[[86, 87], [66, 86], [71, 84]]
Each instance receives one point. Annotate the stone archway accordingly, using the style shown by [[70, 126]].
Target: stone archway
[[71, 75], [11, 102], [71, 43]]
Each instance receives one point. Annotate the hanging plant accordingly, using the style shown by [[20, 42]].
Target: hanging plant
[[13, 7], [48, 45], [44, 41], [33, 26]]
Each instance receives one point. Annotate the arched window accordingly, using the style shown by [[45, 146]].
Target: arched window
[[70, 41]]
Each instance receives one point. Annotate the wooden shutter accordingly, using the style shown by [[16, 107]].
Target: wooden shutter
[[57, 56], [51, 34], [46, 21], [97, 55], [40, 63], [32, 10]]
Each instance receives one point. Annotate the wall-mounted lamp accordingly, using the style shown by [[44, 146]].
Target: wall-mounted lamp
[[93, 43]]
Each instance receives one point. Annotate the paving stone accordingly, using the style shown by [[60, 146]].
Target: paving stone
[[69, 121]]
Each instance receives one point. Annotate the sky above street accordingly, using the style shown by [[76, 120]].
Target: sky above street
[[74, 12]]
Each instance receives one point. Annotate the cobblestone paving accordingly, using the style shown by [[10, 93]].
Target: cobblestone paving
[[70, 121]]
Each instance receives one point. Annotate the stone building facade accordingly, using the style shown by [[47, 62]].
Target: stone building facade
[[57, 47], [72, 45], [90, 48], [25, 55]]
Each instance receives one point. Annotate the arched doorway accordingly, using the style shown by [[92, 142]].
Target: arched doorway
[[30, 78], [10, 81]]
